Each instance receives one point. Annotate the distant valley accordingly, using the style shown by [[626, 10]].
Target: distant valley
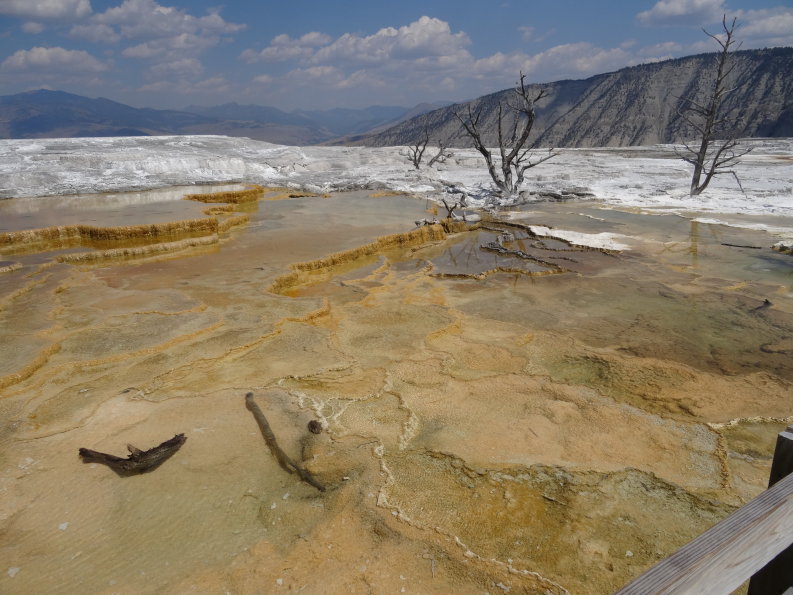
[[56, 114]]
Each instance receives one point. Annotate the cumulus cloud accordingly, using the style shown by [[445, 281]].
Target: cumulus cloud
[[424, 56], [683, 12], [315, 74], [164, 33], [283, 48], [145, 19], [769, 27], [96, 33], [188, 68], [664, 49], [53, 60], [572, 60], [170, 48], [46, 9], [425, 38]]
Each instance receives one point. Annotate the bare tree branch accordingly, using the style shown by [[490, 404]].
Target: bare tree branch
[[712, 157], [514, 155], [440, 156], [417, 151]]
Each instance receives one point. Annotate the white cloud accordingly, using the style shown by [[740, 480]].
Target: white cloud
[[96, 33], [32, 28], [767, 27], [170, 48], [426, 57], [362, 79], [667, 48], [146, 19], [425, 38], [165, 33], [46, 9], [683, 12], [215, 84], [572, 60], [283, 48], [263, 79], [52, 60], [188, 68], [314, 74]]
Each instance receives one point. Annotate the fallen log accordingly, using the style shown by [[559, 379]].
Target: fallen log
[[269, 438], [138, 461]]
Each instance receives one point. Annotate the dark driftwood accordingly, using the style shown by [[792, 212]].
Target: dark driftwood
[[766, 304], [283, 459], [741, 246], [138, 461]]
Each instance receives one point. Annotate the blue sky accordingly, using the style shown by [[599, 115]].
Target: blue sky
[[317, 54]]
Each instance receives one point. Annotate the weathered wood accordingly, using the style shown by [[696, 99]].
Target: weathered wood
[[782, 464], [777, 575], [269, 437], [138, 461], [721, 559]]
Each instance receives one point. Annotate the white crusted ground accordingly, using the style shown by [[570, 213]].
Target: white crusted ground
[[647, 178]]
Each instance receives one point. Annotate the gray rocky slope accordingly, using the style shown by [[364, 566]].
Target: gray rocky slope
[[638, 105]]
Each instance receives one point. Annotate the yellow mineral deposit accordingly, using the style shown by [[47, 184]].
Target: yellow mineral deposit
[[545, 419]]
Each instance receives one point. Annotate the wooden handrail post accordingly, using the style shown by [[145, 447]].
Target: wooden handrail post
[[777, 575]]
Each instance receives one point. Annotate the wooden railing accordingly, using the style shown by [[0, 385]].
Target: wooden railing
[[755, 541]]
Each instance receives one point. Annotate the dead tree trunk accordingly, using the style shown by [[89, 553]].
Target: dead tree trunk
[[712, 157], [416, 152], [440, 156], [515, 157]]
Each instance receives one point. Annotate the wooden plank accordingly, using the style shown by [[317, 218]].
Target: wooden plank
[[777, 575], [782, 464], [721, 559]]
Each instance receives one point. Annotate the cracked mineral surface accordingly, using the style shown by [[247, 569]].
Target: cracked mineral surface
[[548, 418]]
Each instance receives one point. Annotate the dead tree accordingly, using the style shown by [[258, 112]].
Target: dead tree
[[440, 156], [416, 152], [713, 157], [515, 155]]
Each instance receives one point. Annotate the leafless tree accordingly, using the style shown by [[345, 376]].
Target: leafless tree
[[516, 157], [416, 152], [713, 157], [440, 156]]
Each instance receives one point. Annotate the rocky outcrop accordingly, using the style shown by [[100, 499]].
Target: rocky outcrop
[[638, 105]]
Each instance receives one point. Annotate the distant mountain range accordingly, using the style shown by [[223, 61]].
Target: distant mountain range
[[638, 105], [43, 113]]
